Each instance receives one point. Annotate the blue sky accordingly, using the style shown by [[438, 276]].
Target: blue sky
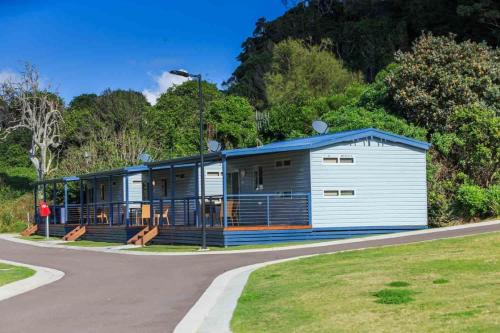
[[88, 46]]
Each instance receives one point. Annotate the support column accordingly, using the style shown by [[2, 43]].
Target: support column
[[65, 202], [197, 193], [81, 202], [224, 188], [35, 197], [151, 199], [94, 198], [127, 209], [172, 193], [54, 199], [110, 199]]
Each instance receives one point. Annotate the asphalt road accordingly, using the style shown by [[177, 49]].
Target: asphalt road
[[106, 292]]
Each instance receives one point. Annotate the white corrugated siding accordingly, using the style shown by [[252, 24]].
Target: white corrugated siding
[[389, 180]]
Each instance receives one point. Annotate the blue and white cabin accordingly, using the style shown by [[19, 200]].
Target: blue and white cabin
[[322, 187]]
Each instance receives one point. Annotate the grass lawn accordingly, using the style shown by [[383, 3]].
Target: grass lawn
[[38, 238], [88, 243], [10, 273], [193, 248], [448, 285]]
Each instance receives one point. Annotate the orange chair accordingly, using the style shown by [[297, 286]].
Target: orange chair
[[164, 214], [145, 214], [232, 212], [102, 217]]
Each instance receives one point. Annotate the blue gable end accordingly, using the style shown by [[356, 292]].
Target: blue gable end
[[324, 140]]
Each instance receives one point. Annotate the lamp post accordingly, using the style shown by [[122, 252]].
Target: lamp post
[[185, 74]]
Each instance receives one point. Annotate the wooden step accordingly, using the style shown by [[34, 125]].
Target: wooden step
[[144, 236], [30, 230], [76, 233]]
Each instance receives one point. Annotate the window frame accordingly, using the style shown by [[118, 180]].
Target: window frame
[[282, 161], [258, 175], [339, 157], [339, 191], [210, 174], [102, 191]]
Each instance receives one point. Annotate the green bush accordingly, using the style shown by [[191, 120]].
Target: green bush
[[493, 195], [472, 200]]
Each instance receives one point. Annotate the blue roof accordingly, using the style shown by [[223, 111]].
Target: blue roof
[[319, 141]]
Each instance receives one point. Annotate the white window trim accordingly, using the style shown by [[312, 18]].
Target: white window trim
[[340, 196], [338, 156], [208, 175]]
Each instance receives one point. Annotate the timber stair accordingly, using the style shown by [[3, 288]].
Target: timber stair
[[30, 230], [144, 236], [76, 233]]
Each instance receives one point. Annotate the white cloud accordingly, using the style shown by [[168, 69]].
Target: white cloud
[[163, 82], [7, 75]]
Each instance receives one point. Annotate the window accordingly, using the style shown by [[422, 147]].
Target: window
[[347, 193], [346, 159], [259, 178], [213, 174], [338, 193], [282, 164], [331, 193], [330, 160], [341, 159], [180, 176], [164, 187], [102, 191]]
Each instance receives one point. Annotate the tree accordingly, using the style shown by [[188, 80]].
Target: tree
[[37, 110], [174, 121], [231, 121], [300, 73], [440, 76]]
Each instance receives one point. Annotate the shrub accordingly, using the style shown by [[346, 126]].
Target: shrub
[[472, 200], [493, 196]]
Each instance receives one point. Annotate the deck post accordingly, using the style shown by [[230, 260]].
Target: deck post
[[309, 205], [110, 198], [54, 201], [127, 209], [81, 202], [224, 188], [172, 194], [150, 194], [197, 193], [94, 199], [65, 202], [268, 217], [35, 197]]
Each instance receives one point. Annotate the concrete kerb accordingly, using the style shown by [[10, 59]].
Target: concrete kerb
[[119, 249], [43, 276], [214, 309]]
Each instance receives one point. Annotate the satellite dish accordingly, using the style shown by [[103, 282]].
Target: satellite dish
[[145, 158], [214, 146], [320, 126]]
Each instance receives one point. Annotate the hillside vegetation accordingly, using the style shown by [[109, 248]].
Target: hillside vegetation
[[432, 75]]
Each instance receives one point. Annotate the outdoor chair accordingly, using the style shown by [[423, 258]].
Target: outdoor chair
[[164, 214], [232, 212], [145, 214], [102, 217]]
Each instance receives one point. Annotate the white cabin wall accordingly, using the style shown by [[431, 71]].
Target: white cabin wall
[[389, 180]]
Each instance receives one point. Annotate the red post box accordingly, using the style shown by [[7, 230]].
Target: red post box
[[44, 209]]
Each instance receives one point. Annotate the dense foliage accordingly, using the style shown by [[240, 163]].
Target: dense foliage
[[391, 65]]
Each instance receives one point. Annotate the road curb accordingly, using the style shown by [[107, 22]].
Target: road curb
[[214, 309], [43, 276], [118, 249]]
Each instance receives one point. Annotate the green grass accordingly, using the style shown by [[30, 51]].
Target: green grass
[[347, 292], [193, 248], [38, 238], [88, 243], [10, 273]]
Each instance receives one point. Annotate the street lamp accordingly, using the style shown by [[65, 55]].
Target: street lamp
[[185, 74]]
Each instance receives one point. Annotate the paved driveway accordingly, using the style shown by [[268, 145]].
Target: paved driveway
[[106, 292]]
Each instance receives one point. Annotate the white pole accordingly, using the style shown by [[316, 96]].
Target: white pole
[[47, 228]]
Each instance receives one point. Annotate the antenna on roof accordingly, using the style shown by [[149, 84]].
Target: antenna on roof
[[214, 146], [146, 158], [320, 126]]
